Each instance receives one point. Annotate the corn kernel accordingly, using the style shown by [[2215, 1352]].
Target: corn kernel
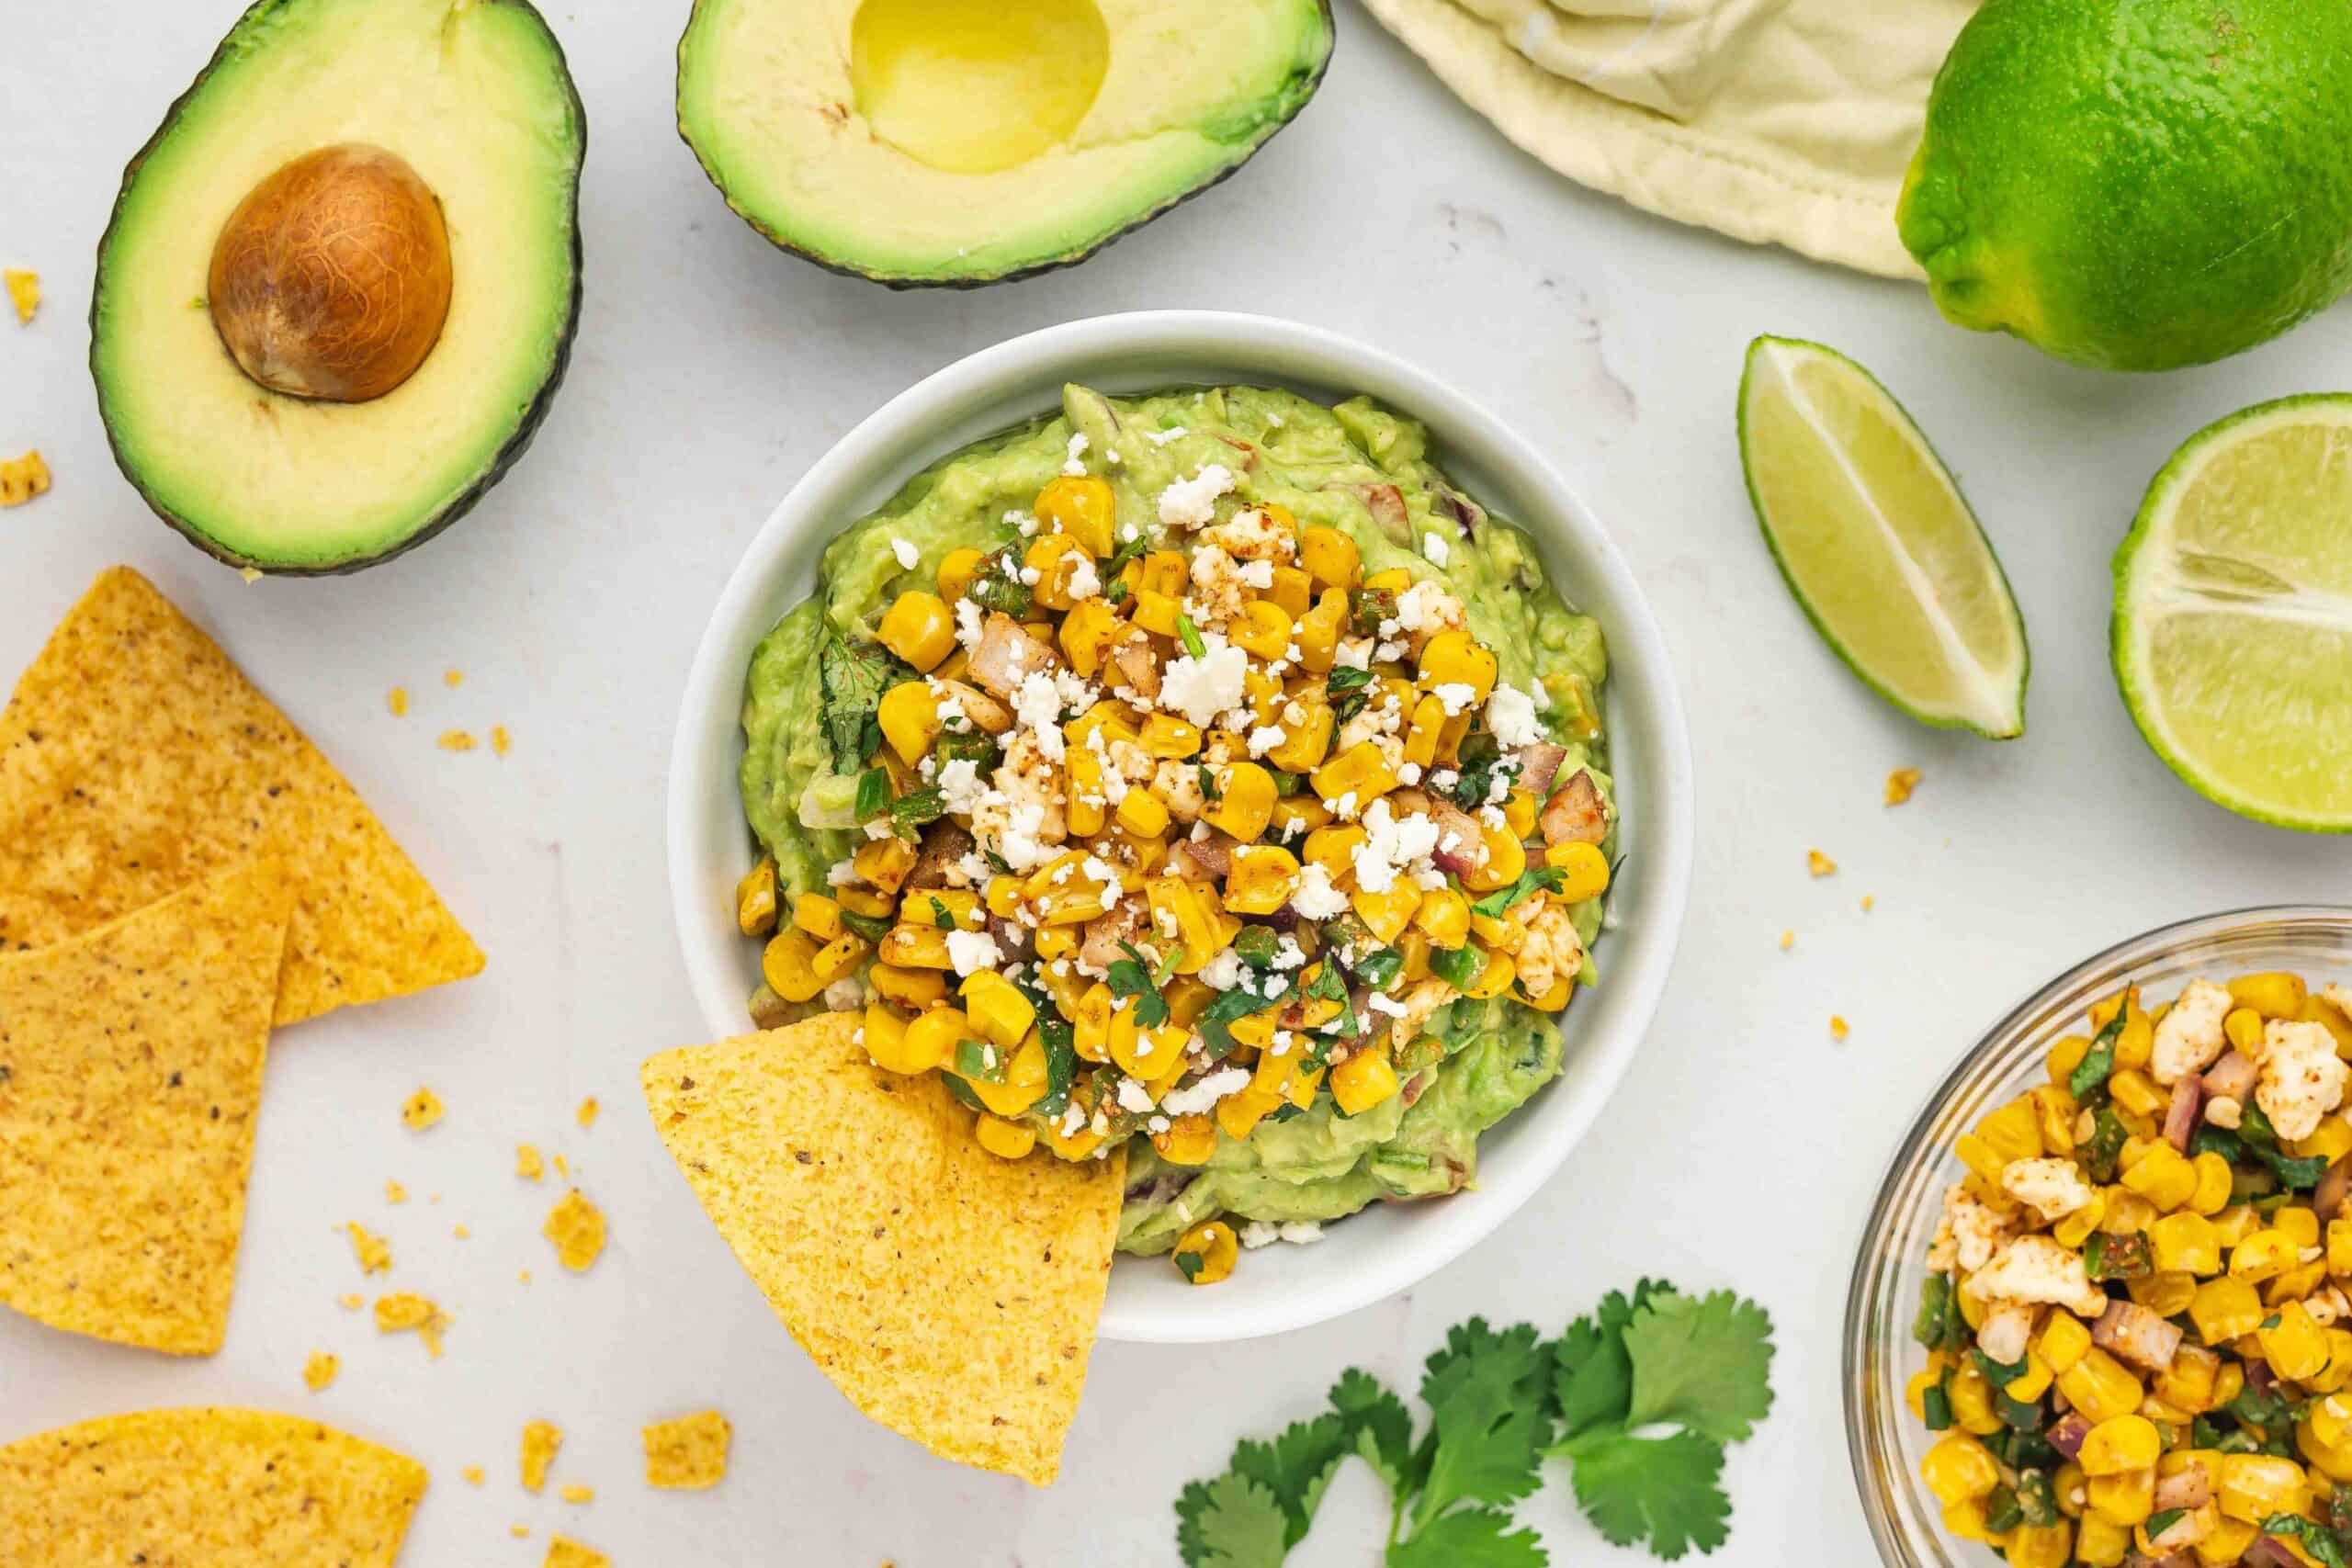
[[2063, 1341], [1206, 1252], [1329, 556], [1082, 506], [1245, 802], [918, 628], [908, 987], [1363, 1080], [2185, 1243], [789, 965], [2099, 1386], [1166, 735], [1455, 658], [2224, 1309], [2120, 1444], [1959, 1468], [1261, 879], [2274, 995], [2255, 1486], [2126, 1499], [1189, 1139], [756, 899], [2263, 1255], [1006, 1140], [930, 1039]]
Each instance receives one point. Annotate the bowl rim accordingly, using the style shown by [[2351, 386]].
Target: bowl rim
[[1870, 1263], [913, 428]]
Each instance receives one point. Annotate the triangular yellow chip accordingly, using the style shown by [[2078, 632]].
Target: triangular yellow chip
[[952, 1295], [131, 1070], [135, 759], [204, 1488]]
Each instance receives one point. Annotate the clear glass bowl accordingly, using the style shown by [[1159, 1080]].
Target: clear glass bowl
[[1882, 1440]]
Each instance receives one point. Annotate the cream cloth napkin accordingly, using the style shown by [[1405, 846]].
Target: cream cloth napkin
[[1779, 122]]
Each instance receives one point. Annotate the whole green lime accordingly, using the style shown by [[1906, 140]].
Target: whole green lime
[[2138, 184]]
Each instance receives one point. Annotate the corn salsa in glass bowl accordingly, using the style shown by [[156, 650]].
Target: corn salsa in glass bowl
[[1199, 773], [2101, 1315]]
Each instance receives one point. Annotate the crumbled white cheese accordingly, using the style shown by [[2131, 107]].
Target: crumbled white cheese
[[1316, 899], [2190, 1039], [841, 874], [1190, 503], [845, 996], [1258, 574], [1434, 549], [960, 787], [971, 952], [2054, 1187], [1085, 583], [1454, 696], [1162, 437], [1198, 1097], [1076, 466], [1204, 687], [1392, 845], [2303, 1078], [905, 552], [1133, 1097], [1511, 714], [967, 623], [1426, 606], [1265, 737], [1255, 1234], [1037, 707]]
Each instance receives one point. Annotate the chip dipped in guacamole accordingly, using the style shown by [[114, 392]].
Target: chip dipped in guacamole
[[1200, 775]]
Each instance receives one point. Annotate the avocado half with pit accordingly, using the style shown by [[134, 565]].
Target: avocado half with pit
[[969, 141], [341, 281]]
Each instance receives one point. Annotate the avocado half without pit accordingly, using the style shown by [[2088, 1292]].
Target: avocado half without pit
[[341, 281], [969, 141]]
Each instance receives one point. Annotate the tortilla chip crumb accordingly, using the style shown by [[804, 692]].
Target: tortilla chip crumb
[[587, 1113], [398, 1314], [577, 1228], [1838, 1028], [473, 1475], [21, 478], [563, 1168], [688, 1454], [453, 679], [579, 1493], [24, 292], [464, 1233], [520, 1532], [456, 740], [1819, 864], [319, 1370], [1788, 940], [374, 1252], [524, 1275], [351, 1302], [499, 740], [541, 1440], [1869, 902], [565, 1552], [1900, 783], [397, 699], [527, 1163], [395, 1193], [421, 1109]]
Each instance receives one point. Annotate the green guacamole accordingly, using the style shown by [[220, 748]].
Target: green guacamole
[[1355, 466]]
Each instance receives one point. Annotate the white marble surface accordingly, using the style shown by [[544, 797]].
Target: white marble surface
[[1742, 1150]]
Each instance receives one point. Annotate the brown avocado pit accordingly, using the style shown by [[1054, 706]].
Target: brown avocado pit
[[331, 280]]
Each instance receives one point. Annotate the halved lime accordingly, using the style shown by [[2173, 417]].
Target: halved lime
[[1876, 542], [2233, 632]]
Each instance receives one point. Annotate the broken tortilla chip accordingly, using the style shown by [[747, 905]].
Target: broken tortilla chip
[[688, 1454], [136, 759], [565, 1553], [950, 1294], [130, 1075], [209, 1488]]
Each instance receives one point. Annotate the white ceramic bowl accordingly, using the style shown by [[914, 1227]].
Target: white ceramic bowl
[[1388, 1248]]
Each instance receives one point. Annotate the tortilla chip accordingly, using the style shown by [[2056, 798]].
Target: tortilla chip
[[541, 1440], [950, 1294], [130, 1073], [565, 1552], [577, 1228], [204, 1488], [319, 1370], [135, 759], [688, 1454]]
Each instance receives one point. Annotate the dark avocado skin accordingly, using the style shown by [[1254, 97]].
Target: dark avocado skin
[[464, 500], [1054, 264]]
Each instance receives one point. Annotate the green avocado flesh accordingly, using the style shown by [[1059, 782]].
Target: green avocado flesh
[[962, 141], [1335, 466], [475, 97]]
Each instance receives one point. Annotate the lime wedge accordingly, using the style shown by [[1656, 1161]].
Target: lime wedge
[[1876, 542], [2232, 633]]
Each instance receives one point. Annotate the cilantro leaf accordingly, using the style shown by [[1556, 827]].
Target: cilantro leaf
[[1377, 1423], [1534, 879], [1703, 1364], [1470, 1538], [1489, 1421], [1593, 1372], [1295, 1468], [2319, 1541], [1662, 1492], [1230, 1522], [851, 678], [1133, 977]]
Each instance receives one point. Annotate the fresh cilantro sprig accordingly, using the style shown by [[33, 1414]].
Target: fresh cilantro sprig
[[1133, 976], [852, 678], [1533, 880], [1639, 1398]]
